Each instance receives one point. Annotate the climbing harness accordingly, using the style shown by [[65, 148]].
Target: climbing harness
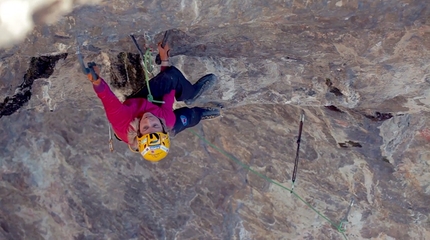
[[296, 161], [147, 67]]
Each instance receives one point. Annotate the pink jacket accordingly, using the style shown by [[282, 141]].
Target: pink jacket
[[121, 114]]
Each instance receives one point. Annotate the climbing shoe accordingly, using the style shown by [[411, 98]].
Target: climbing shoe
[[210, 113], [202, 85]]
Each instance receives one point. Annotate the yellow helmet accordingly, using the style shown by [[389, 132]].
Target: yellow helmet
[[154, 146]]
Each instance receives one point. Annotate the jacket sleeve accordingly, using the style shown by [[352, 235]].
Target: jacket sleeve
[[162, 68], [168, 99], [118, 114]]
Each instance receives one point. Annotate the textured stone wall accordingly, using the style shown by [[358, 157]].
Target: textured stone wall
[[358, 69]]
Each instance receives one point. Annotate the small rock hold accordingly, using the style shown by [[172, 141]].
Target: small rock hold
[[311, 92], [328, 82], [93, 48], [336, 91], [333, 108], [385, 159], [348, 144], [333, 89], [379, 116]]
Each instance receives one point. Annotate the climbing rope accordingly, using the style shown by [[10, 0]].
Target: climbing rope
[[146, 60], [337, 226]]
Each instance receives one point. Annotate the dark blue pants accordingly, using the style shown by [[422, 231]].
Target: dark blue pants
[[166, 81]]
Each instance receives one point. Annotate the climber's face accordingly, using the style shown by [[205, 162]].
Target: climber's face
[[149, 123]]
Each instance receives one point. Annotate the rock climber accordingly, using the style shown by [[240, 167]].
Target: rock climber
[[146, 126]]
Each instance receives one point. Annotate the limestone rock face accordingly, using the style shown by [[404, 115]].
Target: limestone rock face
[[358, 69]]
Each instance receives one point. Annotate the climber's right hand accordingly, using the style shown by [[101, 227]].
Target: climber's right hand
[[91, 78]]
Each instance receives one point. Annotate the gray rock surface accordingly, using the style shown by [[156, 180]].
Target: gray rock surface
[[359, 69]]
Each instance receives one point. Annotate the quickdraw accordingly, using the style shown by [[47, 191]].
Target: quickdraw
[[296, 161], [110, 139]]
